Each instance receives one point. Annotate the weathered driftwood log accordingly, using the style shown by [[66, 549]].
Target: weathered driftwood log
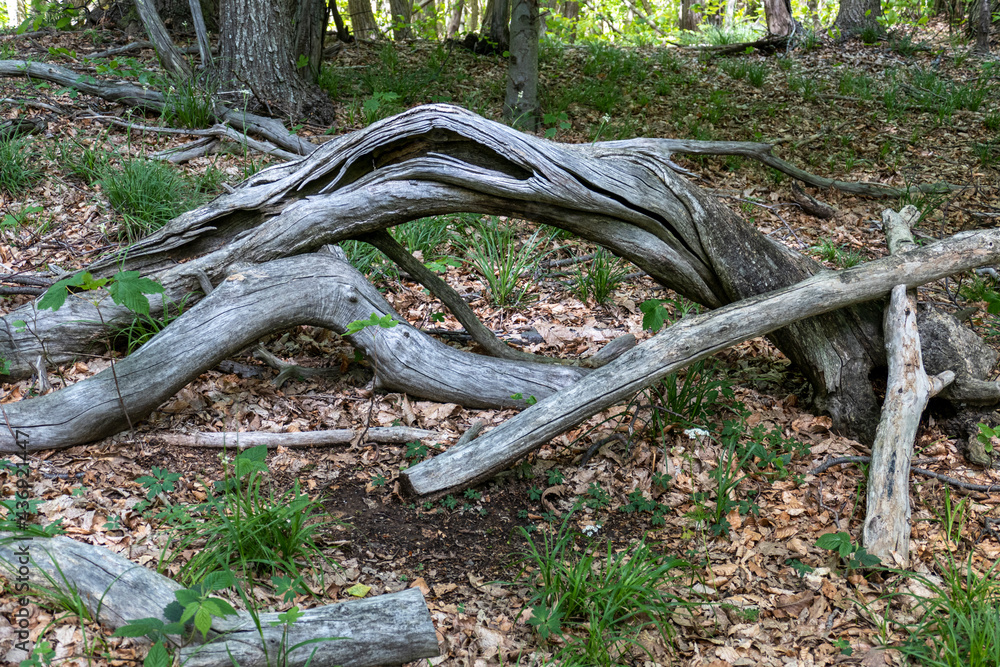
[[440, 159], [386, 629], [887, 522], [685, 342], [316, 289]]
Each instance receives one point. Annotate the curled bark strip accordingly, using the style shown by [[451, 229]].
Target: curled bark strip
[[315, 289], [385, 629], [686, 342]]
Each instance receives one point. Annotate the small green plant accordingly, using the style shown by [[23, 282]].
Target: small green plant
[[17, 167], [259, 531], [161, 481], [556, 122], [596, 497], [191, 613], [596, 601], [416, 451], [830, 252], [186, 103], [987, 436], [806, 86], [380, 105], [496, 254], [529, 400], [147, 193], [600, 277], [17, 220], [854, 556], [958, 625]]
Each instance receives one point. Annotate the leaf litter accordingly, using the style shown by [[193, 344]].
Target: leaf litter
[[756, 607]]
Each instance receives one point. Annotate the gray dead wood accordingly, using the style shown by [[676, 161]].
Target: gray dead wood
[[440, 159], [685, 342], [339, 436], [137, 96], [386, 629], [887, 522], [313, 289], [171, 59]]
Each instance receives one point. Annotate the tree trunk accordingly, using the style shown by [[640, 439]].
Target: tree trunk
[[473, 15], [856, 16], [257, 53], [521, 103], [343, 34], [980, 18], [779, 17], [455, 19], [362, 19], [170, 58], [401, 28], [496, 24], [689, 19], [310, 29]]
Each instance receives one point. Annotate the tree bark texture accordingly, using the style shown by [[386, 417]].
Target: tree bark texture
[[687, 341], [855, 16], [689, 18], [257, 54], [496, 24], [401, 28], [779, 17], [310, 29], [362, 19], [170, 58], [201, 33], [437, 160], [385, 629], [455, 19], [521, 103]]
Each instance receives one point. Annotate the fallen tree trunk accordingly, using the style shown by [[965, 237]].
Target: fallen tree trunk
[[386, 629], [686, 342], [887, 521], [440, 159], [316, 289]]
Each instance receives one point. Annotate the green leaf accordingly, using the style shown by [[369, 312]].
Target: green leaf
[[157, 656], [358, 590], [218, 607], [291, 615], [654, 315], [839, 542], [203, 621], [217, 581], [55, 296], [139, 628], [127, 289]]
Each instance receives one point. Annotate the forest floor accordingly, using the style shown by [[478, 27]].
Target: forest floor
[[764, 593]]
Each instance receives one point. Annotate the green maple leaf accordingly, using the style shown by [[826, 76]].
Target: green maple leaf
[[127, 289]]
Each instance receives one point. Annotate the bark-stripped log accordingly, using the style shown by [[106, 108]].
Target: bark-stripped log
[[887, 523], [685, 342], [315, 289], [386, 629], [441, 159]]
